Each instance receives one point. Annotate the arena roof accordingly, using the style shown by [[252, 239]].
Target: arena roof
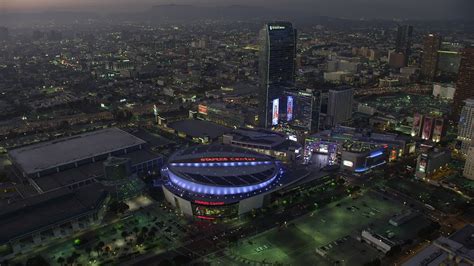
[[212, 150], [221, 169], [46, 155]]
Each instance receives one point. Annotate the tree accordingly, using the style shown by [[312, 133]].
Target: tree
[[118, 207], [136, 230], [426, 232], [99, 246], [88, 250], [60, 260]]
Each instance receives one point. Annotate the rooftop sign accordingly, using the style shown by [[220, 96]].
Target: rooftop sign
[[277, 27]]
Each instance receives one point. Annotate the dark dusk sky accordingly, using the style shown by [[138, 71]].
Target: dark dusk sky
[[422, 9]]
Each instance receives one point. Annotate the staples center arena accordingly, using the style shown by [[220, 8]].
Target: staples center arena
[[219, 181]]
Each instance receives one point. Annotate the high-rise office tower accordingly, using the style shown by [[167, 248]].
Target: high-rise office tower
[[466, 126], [465, 82], [429, 60], [449, 60], [404, 40], [276, 68], [303, 109], [340, 101]]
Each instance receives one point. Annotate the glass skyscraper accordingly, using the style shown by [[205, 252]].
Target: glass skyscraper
[[276, 69], [303, 109], [404, 40], [465, 81]]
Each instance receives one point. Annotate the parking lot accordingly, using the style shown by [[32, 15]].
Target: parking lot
[[334, 226]]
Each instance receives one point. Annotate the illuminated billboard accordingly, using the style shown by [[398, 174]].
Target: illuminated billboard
[[423, 163], [427, 128], [438, 130], [348, 163], [275, 111], [393, 155], [323, 148], [417, 121], [202, 109], [289, 108]]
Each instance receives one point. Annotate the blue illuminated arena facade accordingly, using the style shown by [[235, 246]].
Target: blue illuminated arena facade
[[217, 181]]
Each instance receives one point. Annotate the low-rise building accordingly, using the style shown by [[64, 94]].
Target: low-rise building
[[78, 160], [402, 218], [40, 219], [379, 242], [458, 249], [445, 91], [266, 142], [430, 162]]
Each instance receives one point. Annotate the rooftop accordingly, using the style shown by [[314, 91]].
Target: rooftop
[[87, 171], [199, 128], [261, 136], [465, 236], [35, 213], [46, 155]]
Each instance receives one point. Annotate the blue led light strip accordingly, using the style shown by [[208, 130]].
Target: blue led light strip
[[222, 164], [217, 190], [375, 154], [360, 170]]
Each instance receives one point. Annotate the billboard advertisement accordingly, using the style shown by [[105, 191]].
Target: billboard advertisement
[[423, 163], [427, 128], [347, 163], [202, 109], [275, 111], [393, 155], [438, 130], [289, 108], [417, 121]]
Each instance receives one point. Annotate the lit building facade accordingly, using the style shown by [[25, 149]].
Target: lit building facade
[[404, 41], [430, 162], [469, 166], [431, 45], [340, 103], [466, 126], [219, 181], [276, 68], [465, 81], [303, 109]]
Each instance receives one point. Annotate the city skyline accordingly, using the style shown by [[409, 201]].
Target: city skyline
[[238, 134]]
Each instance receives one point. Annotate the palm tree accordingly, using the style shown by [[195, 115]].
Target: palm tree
[[99, 247]]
